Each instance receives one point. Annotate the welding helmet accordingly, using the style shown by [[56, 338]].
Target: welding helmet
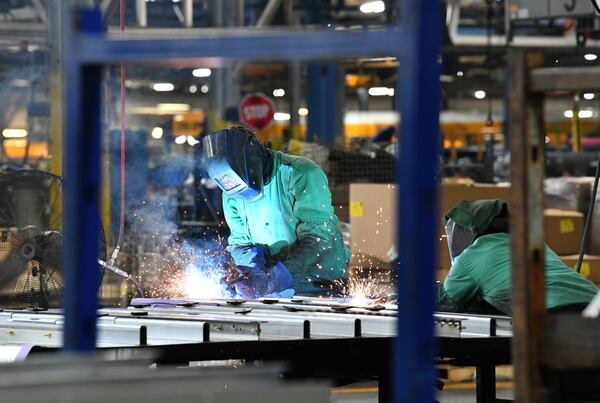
[[458, 238], [470, 219], [236, 160]]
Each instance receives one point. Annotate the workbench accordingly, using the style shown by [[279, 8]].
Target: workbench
[[315, 337]]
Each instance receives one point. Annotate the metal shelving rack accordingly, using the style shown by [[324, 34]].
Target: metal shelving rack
[[415, 40], [556, 342]]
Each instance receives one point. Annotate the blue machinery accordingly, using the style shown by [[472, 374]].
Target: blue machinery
[[415, 41]]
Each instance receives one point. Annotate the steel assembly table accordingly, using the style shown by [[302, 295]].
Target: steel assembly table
[[316, 337]]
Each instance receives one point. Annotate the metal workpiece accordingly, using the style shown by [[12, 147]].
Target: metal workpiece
[[230, 321]]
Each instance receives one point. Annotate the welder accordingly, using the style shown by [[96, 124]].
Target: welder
[[480, 276], [285, 236]]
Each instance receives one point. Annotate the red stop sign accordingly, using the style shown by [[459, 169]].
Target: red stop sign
[[256, 110]]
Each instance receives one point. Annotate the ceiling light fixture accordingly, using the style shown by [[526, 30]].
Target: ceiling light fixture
[[372, 7], [202, 72], [163, 87]]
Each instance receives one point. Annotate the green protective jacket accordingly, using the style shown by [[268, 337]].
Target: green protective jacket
[[296, 222], [483, 270]]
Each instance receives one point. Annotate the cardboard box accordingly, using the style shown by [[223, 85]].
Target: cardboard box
[[372, 221], [373, 217], [563, 230], [590, 267]]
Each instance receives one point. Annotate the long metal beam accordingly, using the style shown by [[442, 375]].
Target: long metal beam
[[571, 79], [239, 44]]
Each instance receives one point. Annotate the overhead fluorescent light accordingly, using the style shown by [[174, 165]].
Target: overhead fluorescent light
[[381, 91], [279, 92], [281, 116], [14, 133], [371, 7], [157, 133], [479, 94], [193, 88], [175, 108], [180, 139], [583, 114], [589, 96], [303, 112], [20, 83], [590, 57], [204, 89], [163, 87], [203, 72], [459, 73]]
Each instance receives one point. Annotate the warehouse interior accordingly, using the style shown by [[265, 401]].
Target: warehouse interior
[[299, 200]]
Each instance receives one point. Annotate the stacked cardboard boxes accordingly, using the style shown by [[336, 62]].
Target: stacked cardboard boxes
[[373, 222]]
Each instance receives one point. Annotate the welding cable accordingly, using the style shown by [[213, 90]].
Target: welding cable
[[124, 274], [115, 253], [588, 220]]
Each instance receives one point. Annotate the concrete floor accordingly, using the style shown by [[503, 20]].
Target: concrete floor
[[367, 393]]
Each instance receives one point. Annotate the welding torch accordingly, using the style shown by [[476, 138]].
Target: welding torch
[[123, 274]]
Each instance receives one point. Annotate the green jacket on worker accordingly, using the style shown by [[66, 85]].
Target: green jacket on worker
[[483, 270], [295, 221]]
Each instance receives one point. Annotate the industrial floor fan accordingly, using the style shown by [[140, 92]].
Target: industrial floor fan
[[31, 240]]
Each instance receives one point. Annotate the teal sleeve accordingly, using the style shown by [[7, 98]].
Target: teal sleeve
[[239, 239], [316, 227], [458, 289]]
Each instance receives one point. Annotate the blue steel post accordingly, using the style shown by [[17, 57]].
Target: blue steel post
[[322, 102], [420, 23], [82, 187]]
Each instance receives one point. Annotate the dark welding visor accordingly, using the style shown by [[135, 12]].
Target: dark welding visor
[[235, 161]]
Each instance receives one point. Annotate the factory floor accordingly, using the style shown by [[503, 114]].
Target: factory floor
[[456, 393]]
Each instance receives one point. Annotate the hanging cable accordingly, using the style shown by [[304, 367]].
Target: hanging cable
[[115, 253], [490, 10]]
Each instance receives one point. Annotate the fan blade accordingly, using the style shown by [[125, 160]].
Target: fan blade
[[32, 198], [13, 266], [48, 248]]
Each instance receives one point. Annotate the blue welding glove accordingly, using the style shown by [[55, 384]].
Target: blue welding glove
[[289, 293], [280, 278], [253, 282], [258, 282], [250, 256]]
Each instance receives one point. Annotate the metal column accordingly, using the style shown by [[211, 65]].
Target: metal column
[[527, 227], [82, 187], [323, 102], [55, 12], [420, 23]]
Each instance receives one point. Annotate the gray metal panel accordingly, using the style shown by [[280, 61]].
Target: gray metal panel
[[526, 9], [571, 8]]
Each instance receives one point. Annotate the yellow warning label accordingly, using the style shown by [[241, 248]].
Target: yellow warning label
[[585, 269], [357, 209], [566, 226]]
